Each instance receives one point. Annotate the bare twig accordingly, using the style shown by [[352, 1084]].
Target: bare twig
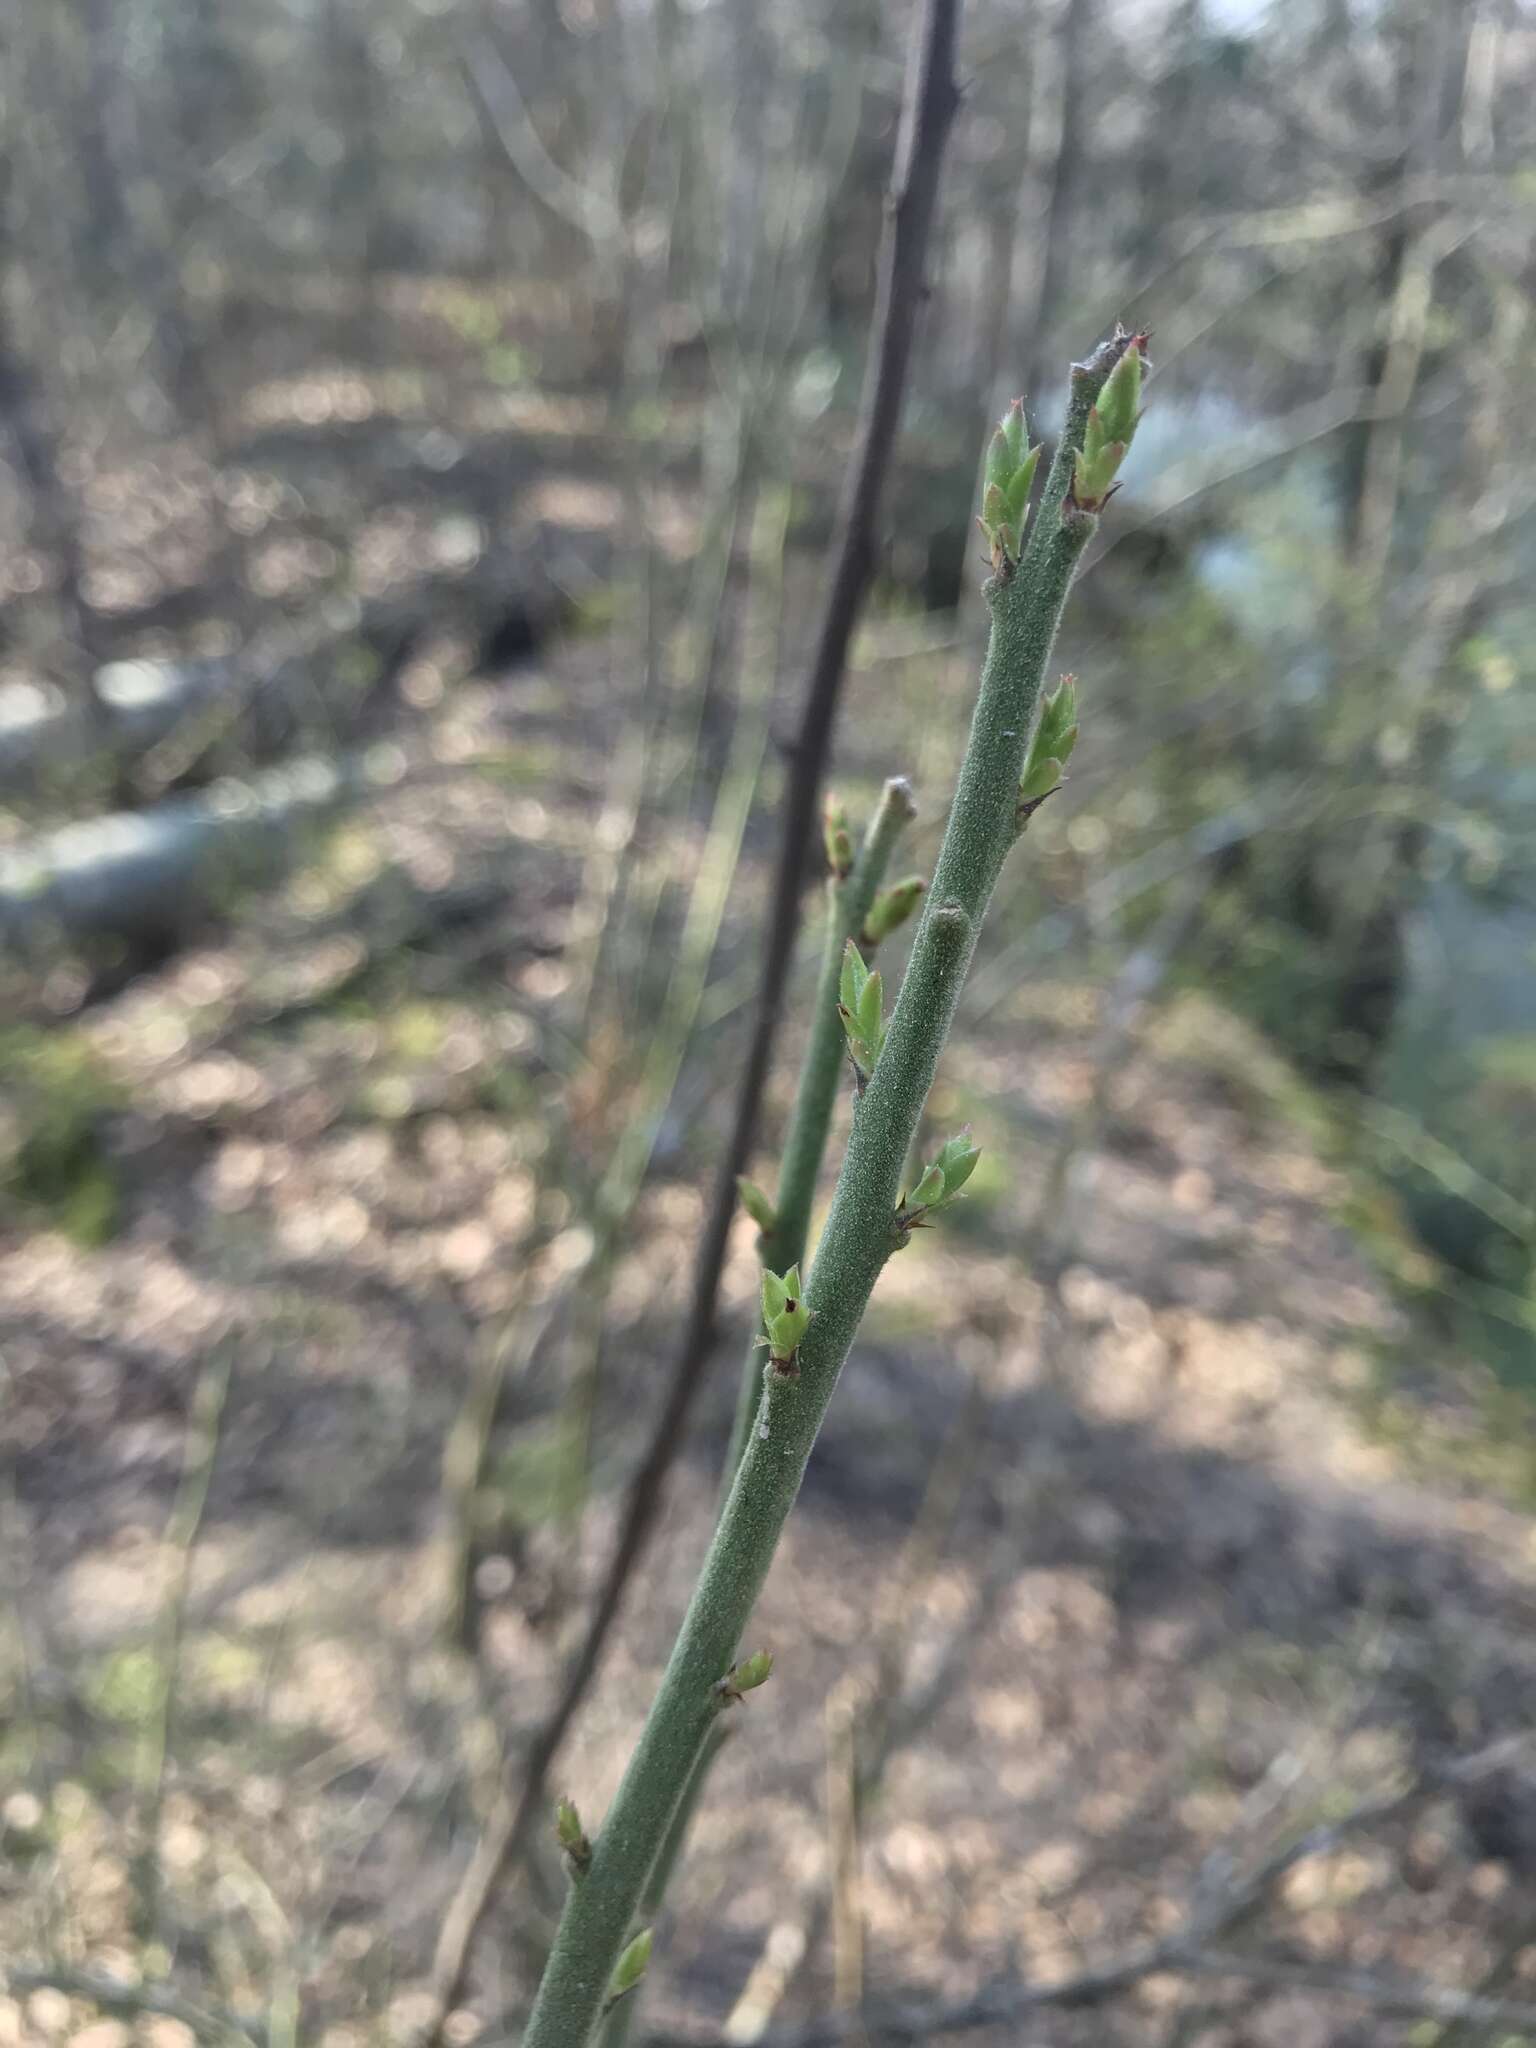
[[929, 109], [495, 88]]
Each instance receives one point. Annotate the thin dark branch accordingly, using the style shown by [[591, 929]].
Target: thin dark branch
[[929, 107]]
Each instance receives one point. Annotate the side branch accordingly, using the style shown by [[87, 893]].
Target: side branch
[[860, 1234], [848, 905]]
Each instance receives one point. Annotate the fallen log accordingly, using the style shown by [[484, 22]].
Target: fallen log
[[149, 877]]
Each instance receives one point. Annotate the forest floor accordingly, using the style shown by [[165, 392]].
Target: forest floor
[[1209, 1575]]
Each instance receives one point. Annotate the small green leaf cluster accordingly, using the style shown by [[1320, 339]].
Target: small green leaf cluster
[[861, 1005], [1005, 498], [1051, 748], [941, 1180], [785, 1315], [1111, 428], [891, 909]]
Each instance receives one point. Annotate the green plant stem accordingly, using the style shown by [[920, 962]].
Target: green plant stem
[[824, 1066], [859, 1237], [614, 2032]]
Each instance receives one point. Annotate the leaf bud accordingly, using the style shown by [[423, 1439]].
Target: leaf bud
[[753, 1671], [631, 1966], [571, 1836], [836, 838], [785, 1315]]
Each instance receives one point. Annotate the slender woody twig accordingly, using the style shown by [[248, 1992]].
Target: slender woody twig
[[1027, 595], [823, 1069], [931, 99]]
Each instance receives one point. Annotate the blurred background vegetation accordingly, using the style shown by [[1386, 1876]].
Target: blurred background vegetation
[[421, 427]]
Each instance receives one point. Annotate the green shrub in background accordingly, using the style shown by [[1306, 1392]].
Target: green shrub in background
[[54, 1165]]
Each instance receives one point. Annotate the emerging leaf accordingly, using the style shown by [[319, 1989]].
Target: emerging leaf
[[957, 1161], [785, 1315], [1111, 427], [1040, 778], [753, 1671], [571, 1835], [1051, 748], [862, 1010], [942, 1179], [1018, 488], [870, 1010], [1120, 400], [1005, 495], [1013, 431], [855, 974], [1000, 460], [836, 839], [631, 1966], [775, 1296], [1098, 460]]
